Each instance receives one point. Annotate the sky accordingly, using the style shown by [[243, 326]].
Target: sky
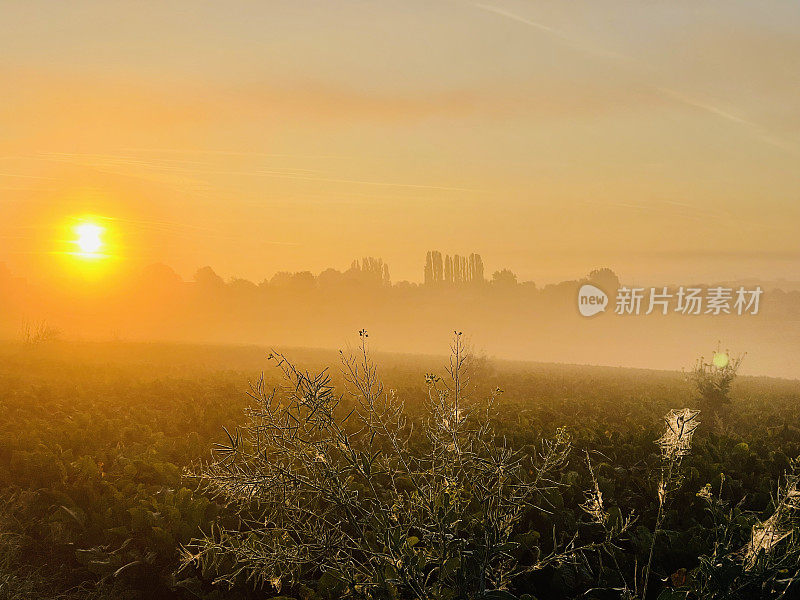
[[660, 139]]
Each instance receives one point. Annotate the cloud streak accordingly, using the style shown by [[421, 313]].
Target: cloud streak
[[127, 165]]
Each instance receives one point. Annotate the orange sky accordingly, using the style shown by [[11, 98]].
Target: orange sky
[[661, 139]]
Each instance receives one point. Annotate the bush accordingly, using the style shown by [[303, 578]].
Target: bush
[[341, 486]]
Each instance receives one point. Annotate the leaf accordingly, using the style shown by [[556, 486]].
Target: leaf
[[390, 573], [331, 585]]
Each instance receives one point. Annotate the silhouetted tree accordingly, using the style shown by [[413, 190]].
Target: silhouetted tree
[[387, 280], [605, 279], [476, 268], [330, 277], [207, 278], [438, 266], [301, 281], [459, 269], [504, 277], [244, 286], [372, 270], [429, 268], [453, 269]]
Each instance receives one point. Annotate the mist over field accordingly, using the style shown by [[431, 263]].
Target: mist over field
[[503, 317]]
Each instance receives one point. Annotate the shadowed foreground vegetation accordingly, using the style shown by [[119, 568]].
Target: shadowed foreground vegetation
[[100, 445]]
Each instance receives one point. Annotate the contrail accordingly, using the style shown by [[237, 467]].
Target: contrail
[[502, 12], [589, 49], [760, 132]]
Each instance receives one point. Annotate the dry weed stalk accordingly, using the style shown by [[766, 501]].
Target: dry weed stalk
[[675, 443]]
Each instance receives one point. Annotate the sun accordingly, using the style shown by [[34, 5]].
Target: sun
[[90, 248], [89, 240], [720, 360]]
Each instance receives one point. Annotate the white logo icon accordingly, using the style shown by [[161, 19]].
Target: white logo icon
[[591, 300]]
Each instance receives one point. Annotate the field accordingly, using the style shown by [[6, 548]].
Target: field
[[98, 440]]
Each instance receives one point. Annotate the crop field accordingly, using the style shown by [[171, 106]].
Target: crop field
[[110, 488]]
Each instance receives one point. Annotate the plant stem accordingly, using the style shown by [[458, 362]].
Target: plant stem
[[662, 498]]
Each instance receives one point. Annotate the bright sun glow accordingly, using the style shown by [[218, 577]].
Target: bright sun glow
[[720, 360], [89, 240]]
